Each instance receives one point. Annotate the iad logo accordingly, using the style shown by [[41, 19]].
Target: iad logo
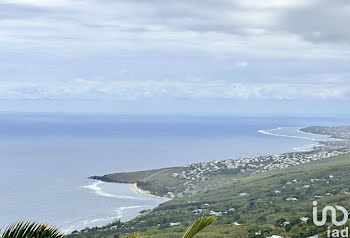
[[333, 212]]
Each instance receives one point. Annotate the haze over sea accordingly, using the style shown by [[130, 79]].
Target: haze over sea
[[47, 158]]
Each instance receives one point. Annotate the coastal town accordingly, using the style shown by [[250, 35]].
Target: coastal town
[[194, 174], [339, 132]]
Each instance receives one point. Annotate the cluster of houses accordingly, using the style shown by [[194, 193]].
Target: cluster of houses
[[202, 171], [339, 132]]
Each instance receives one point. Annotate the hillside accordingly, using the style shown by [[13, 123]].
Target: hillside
[[179, 182], [260, 203], [252, 197]]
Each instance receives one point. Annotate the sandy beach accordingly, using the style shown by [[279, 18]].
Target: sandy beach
[[147, 193]]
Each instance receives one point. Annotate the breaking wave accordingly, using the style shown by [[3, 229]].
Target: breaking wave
[[272, 132], [98, 190]]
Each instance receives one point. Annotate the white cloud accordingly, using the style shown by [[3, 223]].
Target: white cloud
[[275, 4], [241, 64], [46, 3], [38, 35], [269, 28], [138, 89]]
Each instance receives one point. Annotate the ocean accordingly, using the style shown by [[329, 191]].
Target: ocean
[[46, 159]]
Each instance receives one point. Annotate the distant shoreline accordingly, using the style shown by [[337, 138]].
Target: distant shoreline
[[152, 178], [146, 193], [132, 178]]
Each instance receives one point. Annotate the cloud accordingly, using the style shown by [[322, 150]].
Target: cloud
[[44, 42], [16, 11], [314, 20], [322, 21], [191, 89], [201, 25], [241, 64], [39, 3]]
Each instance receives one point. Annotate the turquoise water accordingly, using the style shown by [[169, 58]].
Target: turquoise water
[[47, 158]]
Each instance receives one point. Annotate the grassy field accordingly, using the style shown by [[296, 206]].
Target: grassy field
[[158, 181], [248, 206]]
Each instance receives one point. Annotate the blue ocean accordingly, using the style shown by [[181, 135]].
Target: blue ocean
[[46, 159]]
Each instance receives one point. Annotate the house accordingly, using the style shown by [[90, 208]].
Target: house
[[286, 223], [175, 223]]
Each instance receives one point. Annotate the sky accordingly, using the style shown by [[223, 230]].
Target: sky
[[184, 56]]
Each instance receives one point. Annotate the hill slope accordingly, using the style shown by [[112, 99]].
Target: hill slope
[[260, 203]]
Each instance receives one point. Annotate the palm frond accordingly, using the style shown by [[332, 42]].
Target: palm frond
[[22, 229], [198, 225]]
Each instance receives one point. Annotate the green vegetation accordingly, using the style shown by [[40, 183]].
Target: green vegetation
[[133, 177], [158, 181], [193, 230], [276, 202], [31, 230]]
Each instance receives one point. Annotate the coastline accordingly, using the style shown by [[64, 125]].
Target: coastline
[[332, 137], [310, 133], [131, 181], [267, 132], [147, 193]]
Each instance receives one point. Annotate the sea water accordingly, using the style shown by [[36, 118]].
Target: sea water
[[46, 159]]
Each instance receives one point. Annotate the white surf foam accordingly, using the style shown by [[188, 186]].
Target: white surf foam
[[120, 210], [303, 148], [98, 190], [306, 147], [97, 220], [270, 132], [82, 224]]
